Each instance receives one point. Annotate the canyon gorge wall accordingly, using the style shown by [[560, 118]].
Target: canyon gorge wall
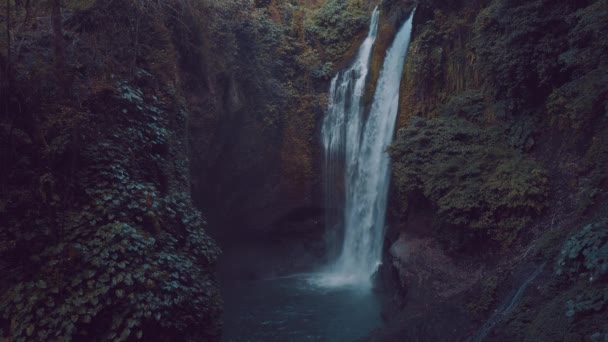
[[499, 161], [499, 168]]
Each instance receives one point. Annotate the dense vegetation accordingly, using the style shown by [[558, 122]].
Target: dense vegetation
[[99, 236], [126, 125], [478, 184], [105, 106], [503, 113], [501, 88]]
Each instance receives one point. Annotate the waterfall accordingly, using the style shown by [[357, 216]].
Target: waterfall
[[341, 131], [356, 163]]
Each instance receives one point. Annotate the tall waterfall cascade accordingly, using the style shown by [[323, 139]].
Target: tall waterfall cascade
[[356, 162], [340, 132]]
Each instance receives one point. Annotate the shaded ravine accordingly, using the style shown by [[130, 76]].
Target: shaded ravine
[[272, 287], [268, 284]]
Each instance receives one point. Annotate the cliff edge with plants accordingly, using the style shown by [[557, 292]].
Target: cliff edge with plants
[[499, 174]]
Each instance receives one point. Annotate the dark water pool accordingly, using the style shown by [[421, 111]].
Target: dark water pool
[[264, 302]]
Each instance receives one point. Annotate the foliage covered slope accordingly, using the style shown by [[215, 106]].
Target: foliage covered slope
[[500, 167], [99, 239], [477, 183], [103, 142], [517, 86]]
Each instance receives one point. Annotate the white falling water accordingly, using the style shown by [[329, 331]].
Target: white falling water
[[341, 131], [355, 146]]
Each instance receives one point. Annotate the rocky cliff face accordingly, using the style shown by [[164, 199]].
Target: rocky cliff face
[[253, 141], [497, 164], [147, 104], [99, 239], [499, 192], [256, 144], [499, 160]]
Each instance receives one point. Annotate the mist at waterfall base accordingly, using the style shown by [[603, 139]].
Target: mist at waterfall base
[[273, 289], [268, 297]]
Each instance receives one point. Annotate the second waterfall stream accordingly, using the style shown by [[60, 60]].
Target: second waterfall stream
[[356, 161]]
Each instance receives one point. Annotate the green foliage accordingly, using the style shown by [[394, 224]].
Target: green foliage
[[475, 182], [323, 71], [468, 105], [517, 43], [117, 268], [247, 40], [336, 24], [130, 252], [534, 81], [585, 255], [581, 101], [575, 299], [98, 234], [79, 5], [486, 297], [594, 172], [600, 336], [545, 322], [590, 301]]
